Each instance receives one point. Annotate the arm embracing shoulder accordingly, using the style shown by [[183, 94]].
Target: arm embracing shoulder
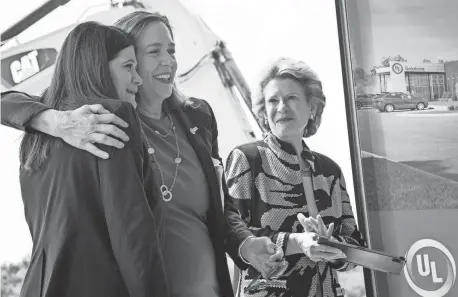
[[18, 109]]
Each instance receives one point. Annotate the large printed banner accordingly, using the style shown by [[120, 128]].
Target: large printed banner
[[404, 64]]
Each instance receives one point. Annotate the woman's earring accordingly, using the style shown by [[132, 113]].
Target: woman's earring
[[310, 123]]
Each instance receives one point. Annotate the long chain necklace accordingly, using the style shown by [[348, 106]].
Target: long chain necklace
[[157, 132], [306, 171], [172, 127], [165, 190]]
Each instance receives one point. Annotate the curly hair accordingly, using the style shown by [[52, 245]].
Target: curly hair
[[305, 76]]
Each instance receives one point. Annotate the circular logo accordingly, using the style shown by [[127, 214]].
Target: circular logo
[[397, 68], [430, 268]]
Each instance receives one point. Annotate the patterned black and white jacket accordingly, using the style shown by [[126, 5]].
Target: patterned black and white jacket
[[267, 186]]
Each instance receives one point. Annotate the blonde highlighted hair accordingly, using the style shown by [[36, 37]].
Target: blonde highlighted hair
[[305, 76], [134, 23]]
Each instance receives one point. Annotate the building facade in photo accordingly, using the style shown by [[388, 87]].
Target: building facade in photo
[[428, 80], [451, 76]]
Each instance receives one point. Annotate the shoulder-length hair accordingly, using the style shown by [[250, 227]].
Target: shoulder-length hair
[[81, 75], [134, 23], [305, 76]]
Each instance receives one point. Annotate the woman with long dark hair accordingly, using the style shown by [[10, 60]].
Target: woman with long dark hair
[[94, 222]]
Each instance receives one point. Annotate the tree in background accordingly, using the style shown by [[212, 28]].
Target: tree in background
[[426, 60], [362, 80], [385, 62], [13, 276]]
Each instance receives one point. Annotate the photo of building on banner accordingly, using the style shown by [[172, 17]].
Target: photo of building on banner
[[403, 61]]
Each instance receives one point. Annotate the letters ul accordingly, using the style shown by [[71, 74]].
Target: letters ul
[[428, 268]]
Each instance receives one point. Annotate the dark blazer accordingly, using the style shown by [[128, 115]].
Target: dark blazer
[[94, 222], [227, 229]]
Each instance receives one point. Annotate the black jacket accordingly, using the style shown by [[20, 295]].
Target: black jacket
[[94, 222]]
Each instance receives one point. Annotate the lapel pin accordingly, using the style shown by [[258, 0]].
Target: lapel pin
[[193, 130]]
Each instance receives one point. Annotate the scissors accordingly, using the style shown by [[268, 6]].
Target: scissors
[[258, 284]]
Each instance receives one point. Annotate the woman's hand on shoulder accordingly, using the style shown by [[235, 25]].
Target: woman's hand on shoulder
[[90, 124]]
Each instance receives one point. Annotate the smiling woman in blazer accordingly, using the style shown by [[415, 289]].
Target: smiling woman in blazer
[[200, 220]]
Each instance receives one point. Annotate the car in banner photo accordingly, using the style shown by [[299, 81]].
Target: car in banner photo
[[388, 102], [364, 100]]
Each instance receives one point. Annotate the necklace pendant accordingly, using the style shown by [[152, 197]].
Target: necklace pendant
[[166, 194], [178, 160], [150, 150], [163, 189]]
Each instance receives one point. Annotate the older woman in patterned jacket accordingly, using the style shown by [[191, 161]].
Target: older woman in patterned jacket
[[288, 192]]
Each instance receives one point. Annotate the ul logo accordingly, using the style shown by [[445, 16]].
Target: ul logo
[[426, 268], [430, 269], [397, 68]]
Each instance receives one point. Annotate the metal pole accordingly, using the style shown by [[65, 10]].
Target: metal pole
[[352, 124]]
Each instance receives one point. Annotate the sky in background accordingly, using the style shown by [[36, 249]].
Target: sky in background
[[415, 29]]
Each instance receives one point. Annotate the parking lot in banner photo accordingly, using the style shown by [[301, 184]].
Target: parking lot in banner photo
[[426, 140]]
